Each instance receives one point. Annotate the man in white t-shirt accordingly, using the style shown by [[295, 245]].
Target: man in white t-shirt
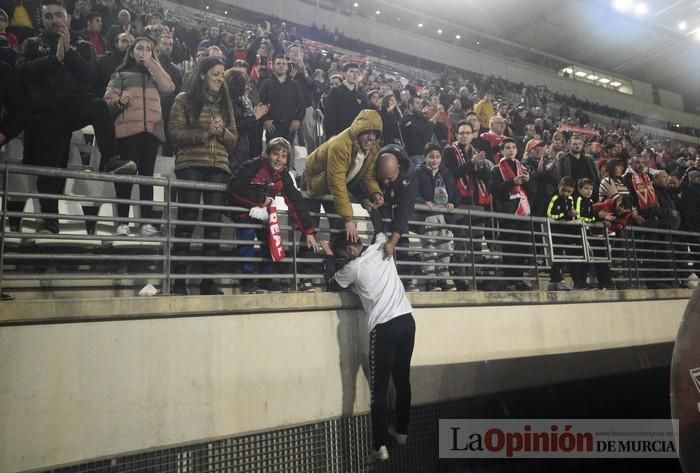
[[372, 275]]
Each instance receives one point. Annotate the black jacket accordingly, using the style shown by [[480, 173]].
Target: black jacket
[[667, 199], [48, 83], [285, 100], [390, 128], [12, 101], [425, 182], [400, 195], [542, 184], [306, 86], [254, 181], [468, 170], [584, 209], [246, 125], [500, 191], [341, 107], [560, 208], [106, 65], [417, 131], [564, 168], [690, 208]]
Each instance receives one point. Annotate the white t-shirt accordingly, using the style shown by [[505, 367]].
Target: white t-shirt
[[377, 284]]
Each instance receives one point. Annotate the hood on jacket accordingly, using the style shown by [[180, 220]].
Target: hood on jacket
[[692, 174], [366, 120], [406, 166]]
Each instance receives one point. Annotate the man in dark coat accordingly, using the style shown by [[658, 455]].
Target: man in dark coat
[[578, 165], [286, 103], [57, 78], [397, 179], [13, 121], [343, 102]]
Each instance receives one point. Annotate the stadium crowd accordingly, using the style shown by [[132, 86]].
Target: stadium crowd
[[250, 99]]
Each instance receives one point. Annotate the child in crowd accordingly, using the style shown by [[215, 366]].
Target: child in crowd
[[254, 185], [438, 190], [561, 208], [587, 214]]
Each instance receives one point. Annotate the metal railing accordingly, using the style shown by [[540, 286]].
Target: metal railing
[[474, 249]]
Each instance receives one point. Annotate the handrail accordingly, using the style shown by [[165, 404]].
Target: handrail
[[464, 251]]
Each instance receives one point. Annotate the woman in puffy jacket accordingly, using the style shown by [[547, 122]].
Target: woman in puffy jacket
[[203, 128], [133, 95]]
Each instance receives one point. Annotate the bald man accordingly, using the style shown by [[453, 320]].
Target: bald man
[[396, 178]]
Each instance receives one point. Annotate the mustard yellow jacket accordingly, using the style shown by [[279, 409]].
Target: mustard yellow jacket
[[327, 168]]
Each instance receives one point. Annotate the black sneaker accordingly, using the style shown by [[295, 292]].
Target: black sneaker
[[447, 286], [179, 288], [248, 286], [462, 285], [48, 226], [119, 166], [431, 286], [209, 288], [270, 285], [306, 286], [520, 286]]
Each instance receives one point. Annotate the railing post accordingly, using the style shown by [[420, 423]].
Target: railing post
[[673, 259], [471, 248], [636, 260], [167, 262], [534, 252], [295, 279], [6, 180]]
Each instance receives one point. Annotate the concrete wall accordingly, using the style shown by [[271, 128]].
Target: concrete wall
[[83, 379], [671, 99], [397, 39]]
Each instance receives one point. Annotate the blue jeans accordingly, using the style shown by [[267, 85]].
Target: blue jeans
[[248, 251]]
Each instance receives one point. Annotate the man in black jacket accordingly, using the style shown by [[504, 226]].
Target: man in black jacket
[[397, 179], [578, 165], [543, 182], [690, 214], [299, 73], [12, 102], [108, 63], [416, 130], [343, 103], [286, 103], [472, 172], [57, 78]]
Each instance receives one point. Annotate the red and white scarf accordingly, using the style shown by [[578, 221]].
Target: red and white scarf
[[517, 191], [274, 236], [464, 183], [646, 195]]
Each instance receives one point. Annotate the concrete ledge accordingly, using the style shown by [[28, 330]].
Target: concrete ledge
[[97, 309]]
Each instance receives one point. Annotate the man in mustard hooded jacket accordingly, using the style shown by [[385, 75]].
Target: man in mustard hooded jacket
[[346, 164]]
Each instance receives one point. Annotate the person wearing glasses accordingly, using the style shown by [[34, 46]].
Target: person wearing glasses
[[472, 171]]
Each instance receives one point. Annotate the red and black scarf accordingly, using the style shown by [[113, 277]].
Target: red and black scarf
[[517, 191], [464, 183]]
